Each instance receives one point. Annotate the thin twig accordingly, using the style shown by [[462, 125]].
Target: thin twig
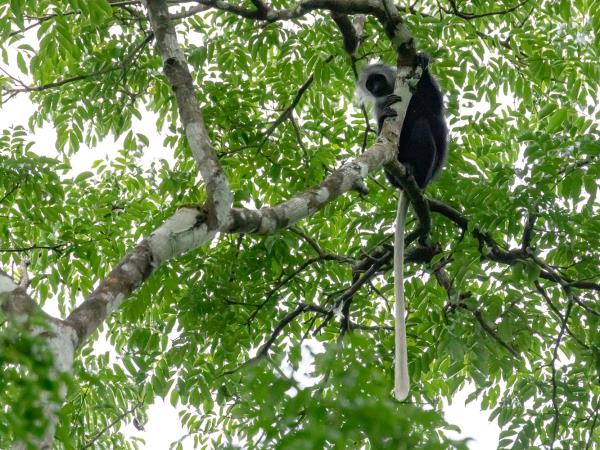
[[478, 316], [470, 16], [554, 309], [288, 111], [264, 349], [110, 425], [554, 381], [589, 442]]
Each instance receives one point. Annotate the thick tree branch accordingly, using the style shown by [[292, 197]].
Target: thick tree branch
[[300, 9], [385, 11], [348, 177], [528, 231], [20, 307], [510, 257], [15, 302], [24, 281], [176, 70], [349, 33], [129, 274], [415, 195], [469, 16]]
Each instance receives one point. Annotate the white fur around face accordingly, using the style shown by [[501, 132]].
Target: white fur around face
[[6, 284]]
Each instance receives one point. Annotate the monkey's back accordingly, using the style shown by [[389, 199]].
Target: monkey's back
[[423, 140]]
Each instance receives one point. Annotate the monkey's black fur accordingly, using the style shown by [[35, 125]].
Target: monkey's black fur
[[423, 140]]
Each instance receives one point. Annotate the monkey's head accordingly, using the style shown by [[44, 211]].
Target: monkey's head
[[380, 81], [376, 82]]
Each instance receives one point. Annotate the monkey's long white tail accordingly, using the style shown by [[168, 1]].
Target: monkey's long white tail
[[401, 381]]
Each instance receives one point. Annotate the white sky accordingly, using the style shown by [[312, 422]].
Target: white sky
[[163, 426]]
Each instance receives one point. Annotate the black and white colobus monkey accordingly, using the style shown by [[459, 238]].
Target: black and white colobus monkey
[[422, 150]]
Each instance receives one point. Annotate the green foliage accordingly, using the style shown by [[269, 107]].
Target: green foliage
[[349, 408], [26, 364], [522, 89]]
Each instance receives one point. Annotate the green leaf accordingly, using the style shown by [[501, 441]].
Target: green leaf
[[21, 63], [83, 176], [556, 120]]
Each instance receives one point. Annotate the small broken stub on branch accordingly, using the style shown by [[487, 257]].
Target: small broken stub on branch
[[361, 187]]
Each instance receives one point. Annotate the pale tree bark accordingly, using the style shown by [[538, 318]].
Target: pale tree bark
[[60, 339], [190, 228]]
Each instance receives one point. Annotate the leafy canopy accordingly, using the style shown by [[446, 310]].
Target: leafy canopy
[[521, 88]]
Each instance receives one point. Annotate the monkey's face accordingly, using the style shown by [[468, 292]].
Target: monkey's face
[[379, 86], [376, 81]]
